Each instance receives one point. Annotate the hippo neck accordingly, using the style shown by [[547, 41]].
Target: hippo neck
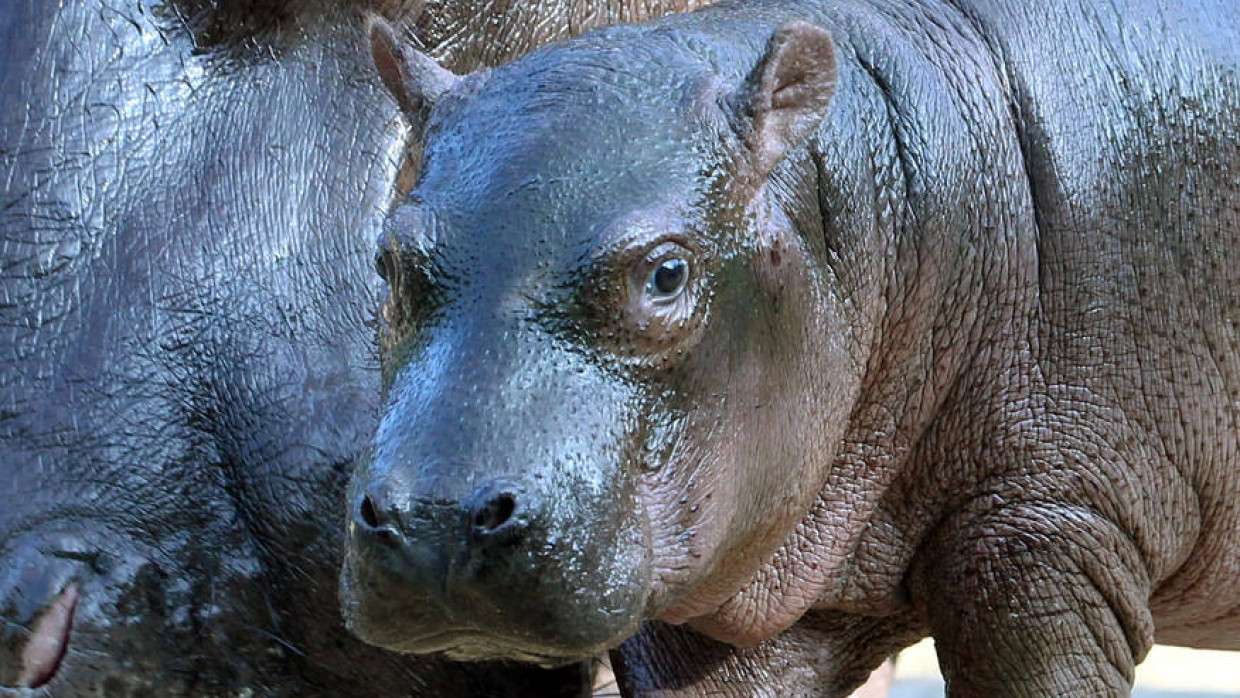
[[961, 286]]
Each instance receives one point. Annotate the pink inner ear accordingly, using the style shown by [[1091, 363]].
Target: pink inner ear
[[799, 69], [794, 84], [386, 53], [806, 71], [412, 77]]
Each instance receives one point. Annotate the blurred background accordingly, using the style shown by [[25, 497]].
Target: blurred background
[[1168, 672]]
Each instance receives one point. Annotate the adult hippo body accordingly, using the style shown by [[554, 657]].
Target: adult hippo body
[[813, 328], [190, 194]]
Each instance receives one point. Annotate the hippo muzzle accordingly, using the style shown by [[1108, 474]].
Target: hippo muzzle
[[486, 525]]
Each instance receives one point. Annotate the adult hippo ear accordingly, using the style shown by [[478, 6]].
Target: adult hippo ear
[[783, 101], [413, 78]]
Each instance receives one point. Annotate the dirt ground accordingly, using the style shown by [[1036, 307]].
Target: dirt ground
[[1169, 672]]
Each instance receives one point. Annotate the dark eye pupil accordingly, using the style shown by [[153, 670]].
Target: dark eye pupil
[[670, 277]]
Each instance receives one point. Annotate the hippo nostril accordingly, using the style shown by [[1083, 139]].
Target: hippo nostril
[[376, 522], [494, 513], [369, 516]]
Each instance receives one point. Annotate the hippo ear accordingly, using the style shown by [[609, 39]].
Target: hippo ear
[[413, 78], [785, 97]]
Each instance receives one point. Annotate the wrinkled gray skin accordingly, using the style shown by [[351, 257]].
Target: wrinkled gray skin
[[191, 191], [464, 34], [762, 341]]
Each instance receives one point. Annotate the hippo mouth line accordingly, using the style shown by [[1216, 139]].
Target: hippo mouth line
[[469, 644], [49, 641]]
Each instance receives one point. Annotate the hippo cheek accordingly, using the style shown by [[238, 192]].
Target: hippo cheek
[[754, 431]]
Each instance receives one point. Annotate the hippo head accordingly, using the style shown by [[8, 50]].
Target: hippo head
[[615, 365]]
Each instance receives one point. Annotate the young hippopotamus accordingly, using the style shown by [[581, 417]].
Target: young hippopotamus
[[759, 342]]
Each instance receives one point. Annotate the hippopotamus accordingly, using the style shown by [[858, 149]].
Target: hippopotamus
[[191, 190], [755, 343]]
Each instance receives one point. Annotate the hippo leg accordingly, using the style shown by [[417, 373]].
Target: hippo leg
[[807, 660], [1035, 600]]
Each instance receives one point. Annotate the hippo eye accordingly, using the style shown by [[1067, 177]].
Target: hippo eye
[[652, 296], [668, 280]]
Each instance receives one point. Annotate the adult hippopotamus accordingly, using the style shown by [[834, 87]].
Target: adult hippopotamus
[[761, 341], [191, 189]]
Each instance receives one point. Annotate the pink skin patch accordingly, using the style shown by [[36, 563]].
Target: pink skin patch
[[879, 683], [50, 640]]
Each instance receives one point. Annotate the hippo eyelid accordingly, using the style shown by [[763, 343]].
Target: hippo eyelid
[[641, 229], [640, 241], [645, 247]]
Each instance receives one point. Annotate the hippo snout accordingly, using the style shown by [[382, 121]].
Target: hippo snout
[[449, 547], [494, 514], [497, 571], [88, 609]]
